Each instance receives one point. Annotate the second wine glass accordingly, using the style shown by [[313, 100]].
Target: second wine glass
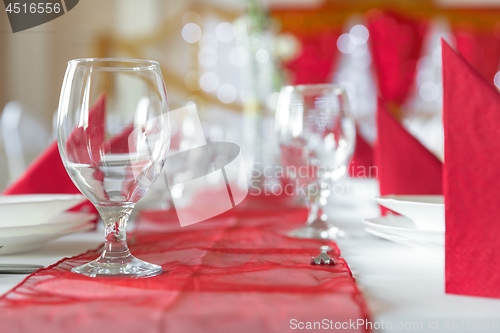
[[316, 137]]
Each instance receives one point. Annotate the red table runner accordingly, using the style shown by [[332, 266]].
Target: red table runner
[[237, 272]]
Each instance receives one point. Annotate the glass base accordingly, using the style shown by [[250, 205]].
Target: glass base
[[126, 267], [318, 230]]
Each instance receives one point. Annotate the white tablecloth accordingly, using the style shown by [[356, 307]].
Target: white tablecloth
[[404, 291]]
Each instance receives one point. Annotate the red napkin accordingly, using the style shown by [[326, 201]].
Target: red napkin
[[396, 42], [480, 48], [404, 165], [472, 159], [89, 137], [362, 164], [316, 59], [119, 144], [47, 173]]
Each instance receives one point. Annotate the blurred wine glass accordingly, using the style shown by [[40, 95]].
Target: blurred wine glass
[[316, 137]]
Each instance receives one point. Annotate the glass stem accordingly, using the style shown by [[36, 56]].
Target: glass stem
[[318, 191], [115, 230]]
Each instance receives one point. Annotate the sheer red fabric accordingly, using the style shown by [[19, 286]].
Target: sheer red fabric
[[238, 272]]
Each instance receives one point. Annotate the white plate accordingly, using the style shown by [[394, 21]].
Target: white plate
[[404, 227], [61, 222], [427, 211], [32, 209], [34, 241], [426, 250], [28, 243]]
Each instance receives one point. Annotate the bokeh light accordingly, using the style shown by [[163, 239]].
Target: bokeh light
[[429, 91], [224, 32], [209, 82], [191, 33], [262, 56], [496, 79], [359, 34], [239, 56], [207, 56], [227, 93], [345, 44]]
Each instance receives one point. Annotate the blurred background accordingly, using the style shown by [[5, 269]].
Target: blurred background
[[230, 58]]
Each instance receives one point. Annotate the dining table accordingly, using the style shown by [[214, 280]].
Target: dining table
[[404, 291]]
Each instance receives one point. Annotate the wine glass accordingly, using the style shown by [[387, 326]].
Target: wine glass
[[316, 137], [114, 136]]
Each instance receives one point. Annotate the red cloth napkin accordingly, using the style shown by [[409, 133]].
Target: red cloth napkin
[[47, 173], [472, 159], [396, 42], [404, 165], [362, 163], [480, 48], [316, 59], [89, 137], [237, 272]]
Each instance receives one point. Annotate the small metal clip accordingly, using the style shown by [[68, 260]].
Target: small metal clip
[[323, 258]]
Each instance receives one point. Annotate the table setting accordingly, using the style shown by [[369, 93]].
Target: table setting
[[347, 234]]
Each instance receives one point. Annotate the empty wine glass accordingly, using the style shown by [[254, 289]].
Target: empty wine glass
[[113, 136], [316, 137]]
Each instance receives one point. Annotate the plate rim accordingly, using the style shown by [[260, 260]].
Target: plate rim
[[398, 198], [434, 232]]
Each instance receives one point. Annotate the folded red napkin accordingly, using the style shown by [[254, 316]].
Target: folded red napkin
[[480, 48], [316, 58], [89, 137], [395, 43], [362, 163], [47, 173], [404, 165], [472, 157]]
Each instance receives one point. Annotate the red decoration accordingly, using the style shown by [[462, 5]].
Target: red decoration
[[316, 59], [481, 49], [472, 156], [237, 272], [396, 44], [362, 163], [47, 173], [404, 165]]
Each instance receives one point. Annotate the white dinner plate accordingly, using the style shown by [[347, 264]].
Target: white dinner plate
[[35, 241], [404, 227], [424, 249], [427, 211], [32, 209], [61, 222]]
